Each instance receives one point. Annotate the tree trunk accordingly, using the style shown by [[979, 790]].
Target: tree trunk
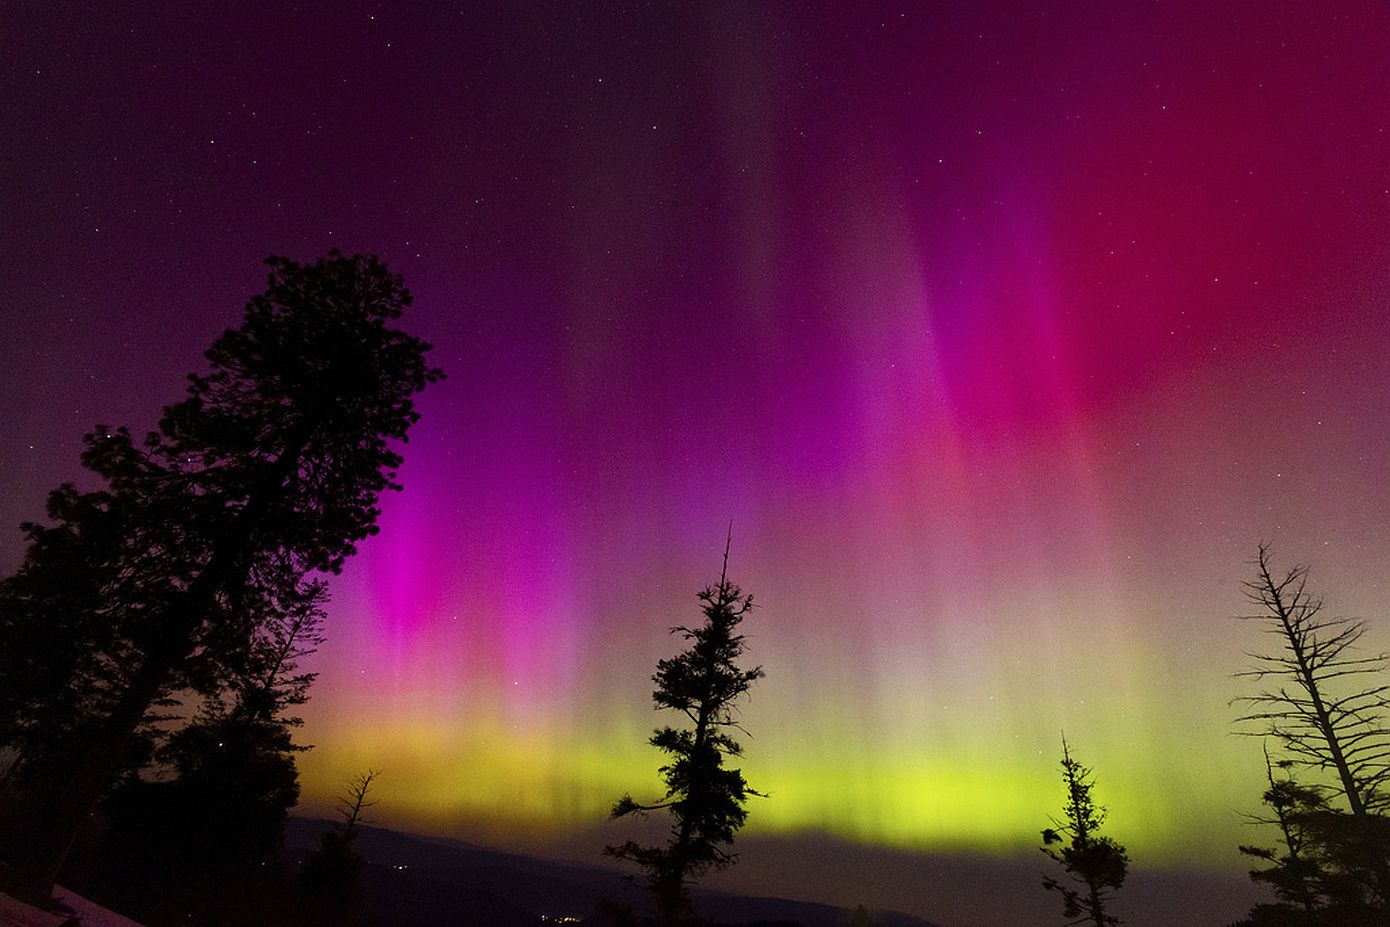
[[1328, 730]]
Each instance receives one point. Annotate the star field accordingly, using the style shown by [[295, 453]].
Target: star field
[[1001, 335]]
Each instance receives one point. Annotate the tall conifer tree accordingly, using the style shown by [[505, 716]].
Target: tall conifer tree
[[705, 798], [1096, 864]]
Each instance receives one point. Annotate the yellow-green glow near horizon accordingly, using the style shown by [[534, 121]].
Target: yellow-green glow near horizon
[[942, 740]]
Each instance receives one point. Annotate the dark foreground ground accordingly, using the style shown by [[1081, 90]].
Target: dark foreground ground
[[419, 882], [444, 882], [413, 881]]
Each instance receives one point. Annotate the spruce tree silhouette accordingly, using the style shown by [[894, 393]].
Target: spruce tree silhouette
[[1326, 729], [1097, 865], [705, 799], [269, 471], [1302, 873]]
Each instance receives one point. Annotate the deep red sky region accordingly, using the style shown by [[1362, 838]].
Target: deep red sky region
[[1001, 333]]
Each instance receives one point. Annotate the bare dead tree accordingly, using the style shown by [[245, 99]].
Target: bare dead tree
[[1323, 702], [332, 878], [353, 804]]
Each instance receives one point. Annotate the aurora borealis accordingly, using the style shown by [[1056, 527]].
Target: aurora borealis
[[1001, 334]]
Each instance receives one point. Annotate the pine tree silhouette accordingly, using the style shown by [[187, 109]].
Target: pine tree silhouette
[[704, 798]]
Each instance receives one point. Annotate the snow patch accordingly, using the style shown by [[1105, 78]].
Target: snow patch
[[83, 913]]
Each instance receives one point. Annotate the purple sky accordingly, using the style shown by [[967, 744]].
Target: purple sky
[[1002, 333]]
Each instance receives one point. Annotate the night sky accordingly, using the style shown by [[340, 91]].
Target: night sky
[[1000, 333]]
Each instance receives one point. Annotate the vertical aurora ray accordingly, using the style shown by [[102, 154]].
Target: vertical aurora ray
[[928, 536], [1000, 336], [987, 416]]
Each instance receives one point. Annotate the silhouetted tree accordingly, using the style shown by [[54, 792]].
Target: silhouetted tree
[[1323, 727], [1314, 874], [705, 799], [65, 641], [270, 470], [332, 875], [353, 804], [265, 680], [180, 849], [1297, 871], [1096, 864], [212, 819]]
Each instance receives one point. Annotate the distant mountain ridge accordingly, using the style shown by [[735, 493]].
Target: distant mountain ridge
[[417, 881]]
